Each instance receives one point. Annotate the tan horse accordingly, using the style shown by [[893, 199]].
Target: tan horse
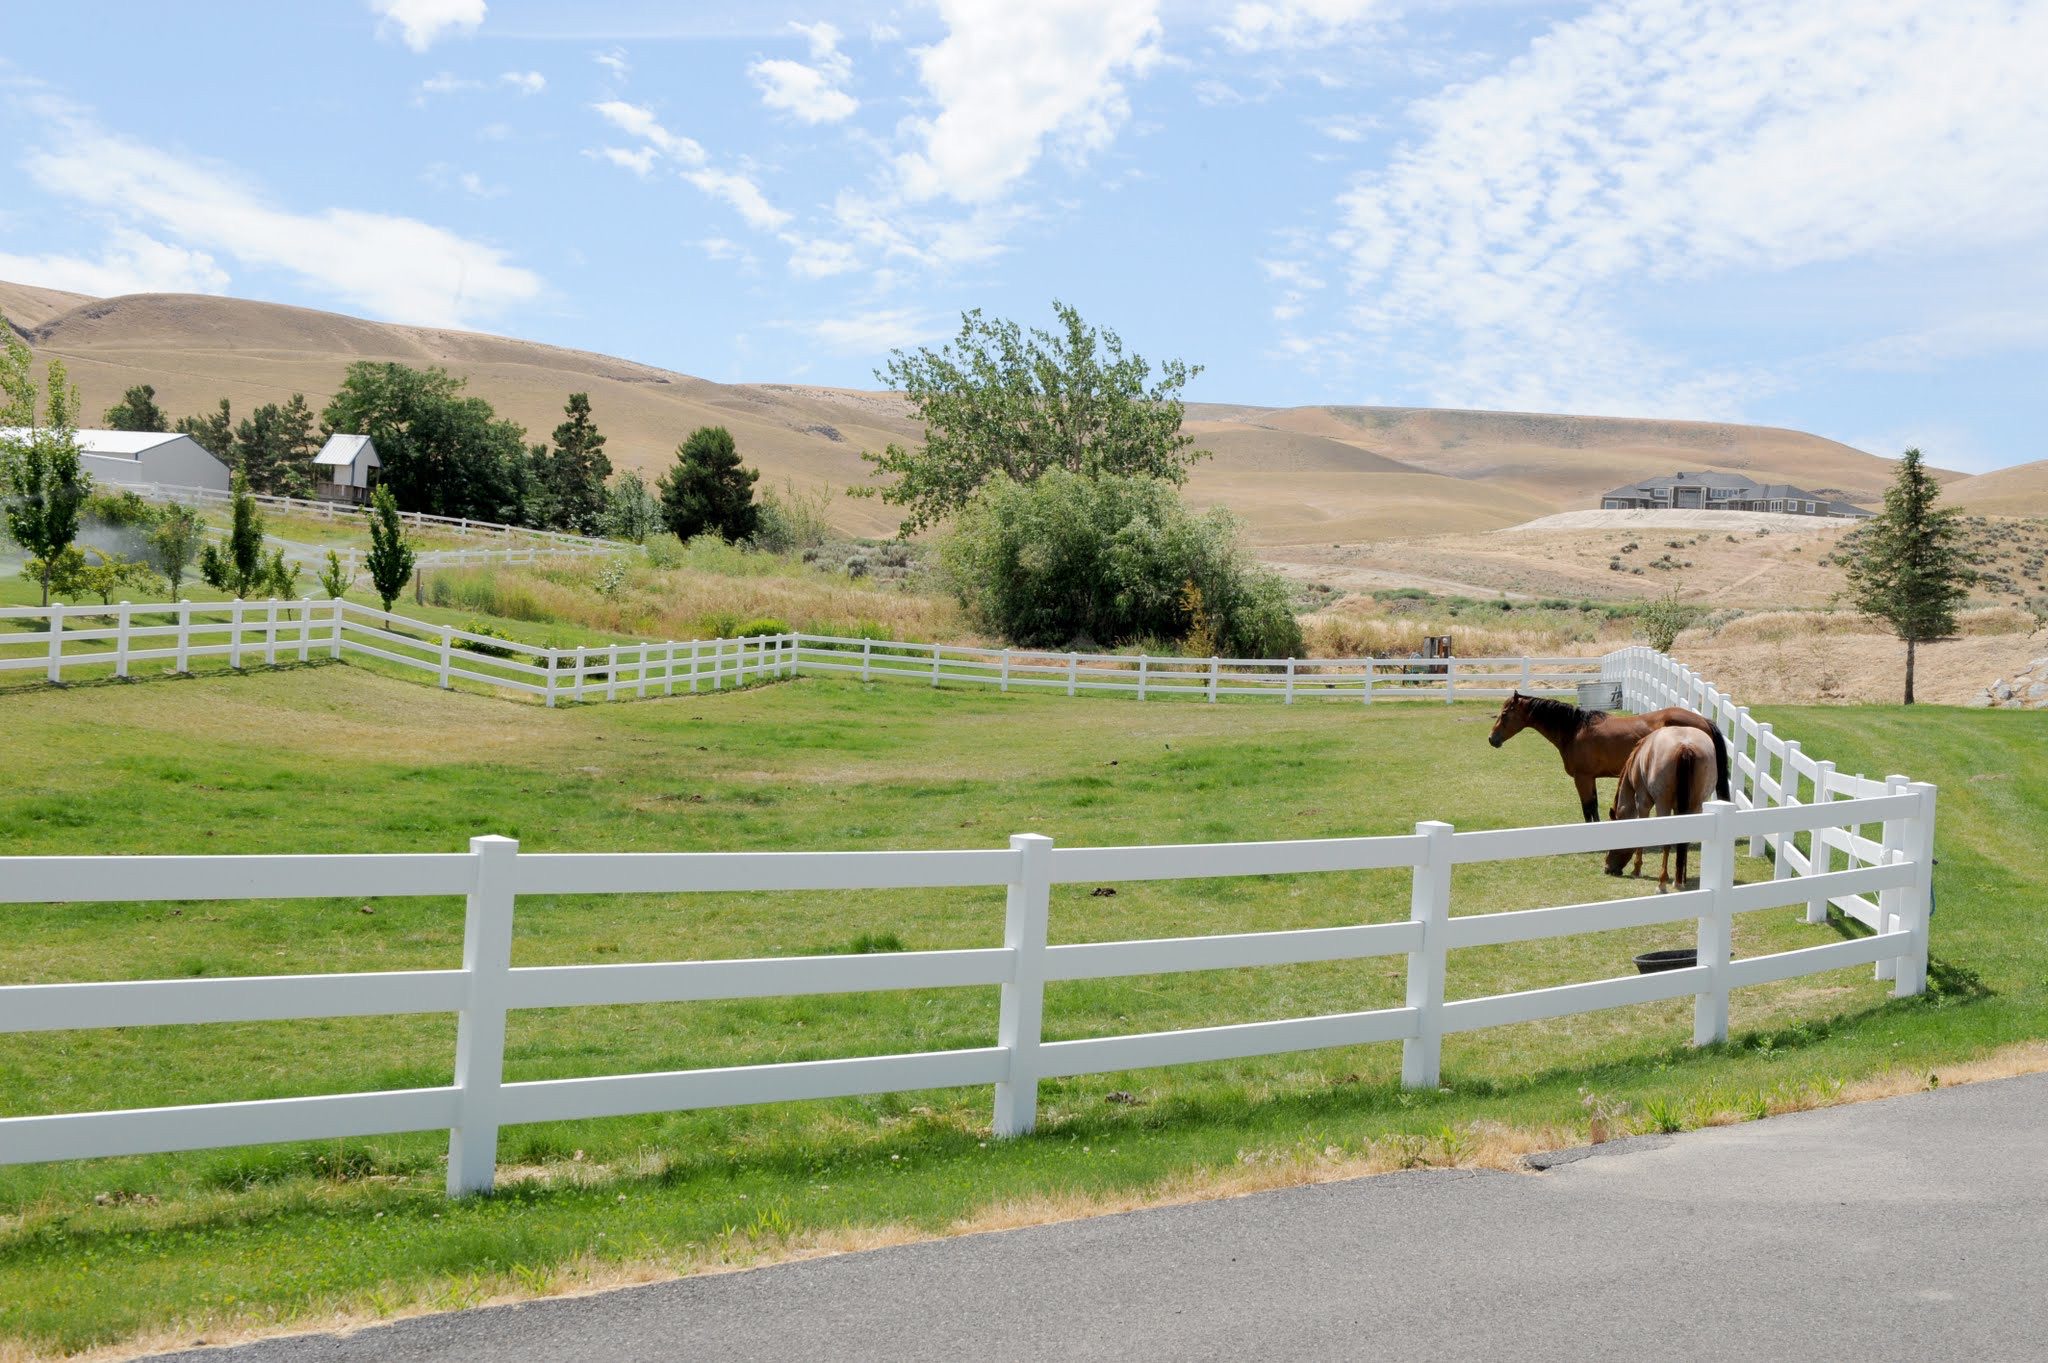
[[1670, 772], [1594, 743]]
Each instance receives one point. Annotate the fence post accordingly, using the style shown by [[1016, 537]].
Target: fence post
[[184, 663], [121, 641], [640, 677], [668, 667], [1912, 973], [1006, 671], [334, 647], [235, 635], [1788, 794], [867, 657], [480, 1029], [696, 654], [447, 646], [611, 674], [1760, 771], [1524, 687], [1891, 903], [1820, 855], [1073, 663], [1717, 877], [935, 666], [1370, 667], [1450, 680], [1290, 682], [1212, 679], [552, 661], [1429, 903], [582, 673], [56, 618], [1026, 912], [305, 626], [270, 632], [1143, 664]]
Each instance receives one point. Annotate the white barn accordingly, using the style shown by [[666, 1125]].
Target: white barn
[[346, 469], [140, 458]]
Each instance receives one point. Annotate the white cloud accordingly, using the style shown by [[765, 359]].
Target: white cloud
[[724, 248], [421, 23], [639, 121], [448, 83], [1657, 140], [639, 160], [813, 94], [1009, 79], [873, 333], [525, 82], [131, 262], [1262, 25], [739, 191], [393, 267], [819, 258]]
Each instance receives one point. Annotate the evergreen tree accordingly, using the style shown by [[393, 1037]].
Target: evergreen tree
[[1906, 567], [274, 448], [42, 484], [215, 432], [137, 411], [707, 490], [236, 565], [391, 556], [577, 470]]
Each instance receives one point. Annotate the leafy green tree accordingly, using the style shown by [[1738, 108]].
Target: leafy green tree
[[577, 470], [1112, 560], [630, 510], [236, 565], [391, 555], [441, 452], [174, 541], [137, 411], [707, 491], [335, 579], [42, 483], [1907, 566], [998, 401], [275, 445], [215, 432]]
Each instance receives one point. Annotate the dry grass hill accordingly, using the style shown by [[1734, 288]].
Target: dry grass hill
[[1300, 476], [2021, 490]]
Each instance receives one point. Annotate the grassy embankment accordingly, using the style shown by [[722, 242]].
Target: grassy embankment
[[331, 759]]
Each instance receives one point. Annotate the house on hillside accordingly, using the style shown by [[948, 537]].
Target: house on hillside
[[142, 458], [345, 469], [1724, 492]]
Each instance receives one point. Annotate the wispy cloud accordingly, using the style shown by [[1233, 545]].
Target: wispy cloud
[[130, 262], [814, 93], [1265, 25], [873, 333], [422, 23], [736, 188], [525, 82]]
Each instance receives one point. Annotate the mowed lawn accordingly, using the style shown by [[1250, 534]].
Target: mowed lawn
[[326, 758]]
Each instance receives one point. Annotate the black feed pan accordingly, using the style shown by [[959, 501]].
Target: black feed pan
[[1675, 958]]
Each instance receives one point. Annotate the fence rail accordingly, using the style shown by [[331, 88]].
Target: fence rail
[[61, 639], [326, 510]]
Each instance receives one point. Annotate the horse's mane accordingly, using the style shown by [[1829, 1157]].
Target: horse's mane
[[1544, 710]]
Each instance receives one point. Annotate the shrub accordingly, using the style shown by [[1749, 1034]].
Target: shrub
[[1113, 559], [791, 520], [475, 626], [121, 508], [761, 628]]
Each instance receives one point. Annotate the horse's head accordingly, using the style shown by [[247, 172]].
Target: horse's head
[[1513, 718], [1617, 859]]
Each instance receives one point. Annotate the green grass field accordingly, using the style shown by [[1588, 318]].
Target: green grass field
[[344, 758]]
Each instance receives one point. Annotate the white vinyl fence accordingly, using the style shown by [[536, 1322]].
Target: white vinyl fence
[[61, 640], [342, 511], [494, 873], [355, 561]]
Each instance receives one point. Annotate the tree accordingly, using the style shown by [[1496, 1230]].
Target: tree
[[173, 542], [335, 579], [236, 565], [42, 484], [274, 448], [1112, 560], [1906, 566], [999, 401], [137, 411], [577, 470], [214, 432], [630, 510], [391, 555], [707, 490], [441, 452]]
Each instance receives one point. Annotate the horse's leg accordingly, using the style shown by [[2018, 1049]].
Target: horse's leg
[[1683, 848], [1589, 798]]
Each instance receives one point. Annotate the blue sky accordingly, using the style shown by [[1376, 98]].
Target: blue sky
[[1828, 215]]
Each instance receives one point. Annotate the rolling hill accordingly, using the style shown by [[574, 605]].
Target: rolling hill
[[1299, 475], [2021, 490]]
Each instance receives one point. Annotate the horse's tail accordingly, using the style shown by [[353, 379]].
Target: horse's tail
[[1681, 777], [1720, 762]]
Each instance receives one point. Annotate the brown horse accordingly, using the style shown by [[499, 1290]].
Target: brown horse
[[1594, 743], [1670, 772]]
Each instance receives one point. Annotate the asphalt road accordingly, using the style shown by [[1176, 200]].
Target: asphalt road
[[1912, 1228]]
